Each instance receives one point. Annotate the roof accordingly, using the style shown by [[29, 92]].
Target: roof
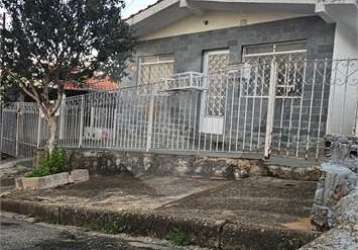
[[145, 8], [165, 12], [184, 3], [103, 84]]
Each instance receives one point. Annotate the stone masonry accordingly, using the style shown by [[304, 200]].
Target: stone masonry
[[182, 165], [339, 178]]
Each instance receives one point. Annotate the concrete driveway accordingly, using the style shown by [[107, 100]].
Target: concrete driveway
[[262, 201]]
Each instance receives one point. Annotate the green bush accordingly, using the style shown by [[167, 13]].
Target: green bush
[[178, 237], [53, 164]]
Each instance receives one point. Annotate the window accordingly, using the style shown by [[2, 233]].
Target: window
[[215, 62], [285, 51], [289, 56], [154, 68]]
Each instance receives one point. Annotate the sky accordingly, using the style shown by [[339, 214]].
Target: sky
[[132, 6]]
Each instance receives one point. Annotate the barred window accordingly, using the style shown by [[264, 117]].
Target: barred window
[[283, 51], [289, 56], [216, 62], [154, 68]]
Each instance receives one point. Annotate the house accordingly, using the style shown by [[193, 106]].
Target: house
[[211, 36], [227, 77]]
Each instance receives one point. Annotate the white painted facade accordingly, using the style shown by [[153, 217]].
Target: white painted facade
[[215, 20], [344, 97], [171, 18]]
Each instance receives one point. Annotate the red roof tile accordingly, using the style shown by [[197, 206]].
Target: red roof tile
[[105, 84]]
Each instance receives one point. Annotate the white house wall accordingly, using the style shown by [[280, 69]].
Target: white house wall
[[344, 97], [217, 20]]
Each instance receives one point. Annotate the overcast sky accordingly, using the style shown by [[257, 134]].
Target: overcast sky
[[132, 6]]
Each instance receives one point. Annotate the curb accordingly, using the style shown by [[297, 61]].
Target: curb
[[223, 235]]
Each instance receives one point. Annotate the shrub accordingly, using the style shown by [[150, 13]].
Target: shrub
[[178, 237], [53, 164]]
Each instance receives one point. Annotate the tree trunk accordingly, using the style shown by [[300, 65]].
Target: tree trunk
[[52, 128]]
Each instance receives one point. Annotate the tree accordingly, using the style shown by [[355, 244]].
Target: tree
[[50, 42]]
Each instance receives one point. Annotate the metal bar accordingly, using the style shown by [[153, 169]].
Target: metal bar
[[2, 129], [150, 123], [271, 109], [231, 114], [226, 80], [17, 129], [311, 108], [240, 89], [81, 121], [39, 127], [301, 109], [261, 107], [321, 108], [253, 107]]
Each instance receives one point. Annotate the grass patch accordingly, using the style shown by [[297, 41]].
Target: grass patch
[[179, 237], [53, 164], [114, 227]]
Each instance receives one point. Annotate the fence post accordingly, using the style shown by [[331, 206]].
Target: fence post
[[271, 109], [81, 121], [39, 127], [62, 118], [150, 122], [17, 129], [2, 130], [356, 122]]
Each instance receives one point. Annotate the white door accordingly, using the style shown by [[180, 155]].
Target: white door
[[213, 100]]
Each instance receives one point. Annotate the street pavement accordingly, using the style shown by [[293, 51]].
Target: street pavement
[[17, 234]]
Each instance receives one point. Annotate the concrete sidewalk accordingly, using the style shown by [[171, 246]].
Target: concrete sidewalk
[[260, 206]]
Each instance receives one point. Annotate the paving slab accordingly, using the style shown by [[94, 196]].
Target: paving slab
[[121, 193], [260, 201], [253, 213]]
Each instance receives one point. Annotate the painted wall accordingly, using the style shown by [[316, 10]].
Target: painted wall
[[344, 91], [188, 49], [215, 20]]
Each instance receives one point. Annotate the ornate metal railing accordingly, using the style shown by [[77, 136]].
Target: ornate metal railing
[[282, 108]]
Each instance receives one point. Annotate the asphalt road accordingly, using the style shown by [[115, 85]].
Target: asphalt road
[[18, 234]]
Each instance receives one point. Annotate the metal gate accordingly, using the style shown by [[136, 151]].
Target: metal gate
[[21, 127]]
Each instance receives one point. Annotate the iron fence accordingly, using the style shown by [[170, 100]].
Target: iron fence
[[282, 108]]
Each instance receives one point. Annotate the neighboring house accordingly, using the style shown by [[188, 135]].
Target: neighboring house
[[205, 36], [71, 89], [92, 84]]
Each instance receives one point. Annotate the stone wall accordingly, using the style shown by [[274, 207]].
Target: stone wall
[[197, 166], [139, 164], [345, 234], [339, 178]]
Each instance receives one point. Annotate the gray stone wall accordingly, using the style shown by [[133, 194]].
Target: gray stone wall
[[100, 162], [139, 164], [339, 178], [188, 49]]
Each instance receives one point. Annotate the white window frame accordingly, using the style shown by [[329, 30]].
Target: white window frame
[[273, 53], [158, 61], [210, 124]]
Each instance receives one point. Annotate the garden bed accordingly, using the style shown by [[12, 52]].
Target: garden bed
[[52, 181]]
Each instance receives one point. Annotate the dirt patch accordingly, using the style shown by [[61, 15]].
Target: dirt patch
[[301, 224]]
